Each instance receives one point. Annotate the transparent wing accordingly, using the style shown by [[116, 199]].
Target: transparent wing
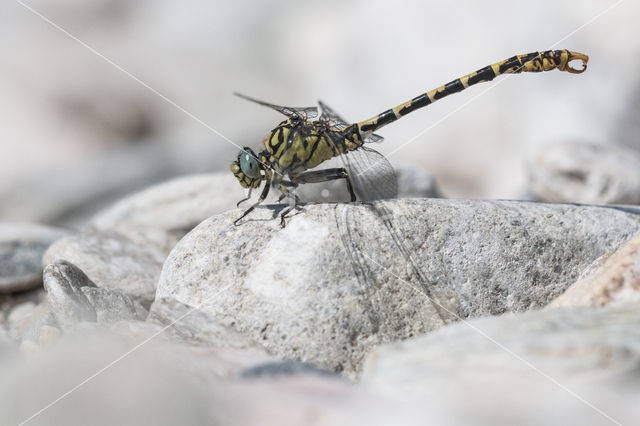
[[371, 174], [305, 113], [329, 115]]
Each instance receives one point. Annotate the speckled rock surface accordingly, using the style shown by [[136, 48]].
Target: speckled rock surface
[[585, 173], [615, 281], [334, 282], [193, 325], [111, 260], [21, 249]]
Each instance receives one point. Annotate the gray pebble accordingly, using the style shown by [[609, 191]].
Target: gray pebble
[[285, 368], [63, 282], [21, 249], [111, 260], [111, 305]]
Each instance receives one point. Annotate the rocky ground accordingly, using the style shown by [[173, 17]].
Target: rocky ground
[[161, 311]]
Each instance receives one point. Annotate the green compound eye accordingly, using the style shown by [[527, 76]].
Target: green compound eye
[[248, 164]]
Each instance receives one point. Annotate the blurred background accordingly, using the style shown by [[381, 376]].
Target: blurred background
[[78, 132]]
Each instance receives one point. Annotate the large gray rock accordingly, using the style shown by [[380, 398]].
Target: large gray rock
[[21, 249], [576, 363], [585, 173], [162, 214], [111, 260], [336, 281]]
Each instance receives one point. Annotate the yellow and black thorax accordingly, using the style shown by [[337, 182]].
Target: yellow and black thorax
[[296, 145]]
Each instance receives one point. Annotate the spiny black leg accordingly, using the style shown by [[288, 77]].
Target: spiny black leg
[[350, 188], [287, 209], [293, 199], [325, 176], [263, 196], [244, 199]]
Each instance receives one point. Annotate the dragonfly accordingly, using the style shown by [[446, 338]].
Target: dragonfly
[[312, 135]]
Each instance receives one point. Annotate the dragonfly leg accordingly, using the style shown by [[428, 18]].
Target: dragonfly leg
[[325, 175], [294, 200], [263, 196], [244, 199]]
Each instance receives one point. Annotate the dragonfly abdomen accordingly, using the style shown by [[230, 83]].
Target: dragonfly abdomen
[[530, 62]]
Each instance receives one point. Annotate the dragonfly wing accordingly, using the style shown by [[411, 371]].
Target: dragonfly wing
[[328, 114], [373, 138], [306, 113], [371, 175]]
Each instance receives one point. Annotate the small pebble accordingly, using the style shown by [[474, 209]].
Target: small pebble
[[48, 336]]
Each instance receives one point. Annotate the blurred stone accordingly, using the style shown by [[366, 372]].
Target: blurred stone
[[161, 215], [111, 260], [211, 364], [112, 306], [615, 282], [358, 289], [19, 313], [145, 387], [311, 400], [29, 348], [627, 129], [139, 330], [44, 318], [63, 282], [21, 249], [285, 368], [414, 182], [24, 317], [585, 173], [603, 344], [48, 336], [75, 193], [9, 300]]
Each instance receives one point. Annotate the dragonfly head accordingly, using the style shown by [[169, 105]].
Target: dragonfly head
[[247, 169]]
